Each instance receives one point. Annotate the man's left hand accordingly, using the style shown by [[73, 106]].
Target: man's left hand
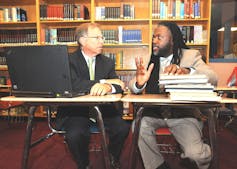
[[175, 69]]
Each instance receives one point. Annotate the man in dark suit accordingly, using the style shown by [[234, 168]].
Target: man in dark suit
[[94, 73]]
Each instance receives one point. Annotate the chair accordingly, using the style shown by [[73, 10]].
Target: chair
[[95, 141], [95, 145], [166, 142], [5, 105]]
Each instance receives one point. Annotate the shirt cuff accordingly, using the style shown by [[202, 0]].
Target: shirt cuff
[[138, 90], [103, 81], [192, 70]]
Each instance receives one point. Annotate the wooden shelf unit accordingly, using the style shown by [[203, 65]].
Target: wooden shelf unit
[[143, 10], [143, 20]]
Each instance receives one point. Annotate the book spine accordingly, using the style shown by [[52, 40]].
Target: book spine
[[14, 14], [1, 15]]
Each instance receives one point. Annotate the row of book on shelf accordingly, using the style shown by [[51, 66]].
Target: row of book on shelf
[[18, 36], [124, 11], [126, 76], [122, 35], [191, 34], [194, 34], [67, 35], [58, 36], [13, 14], [179, 9], [3, 60], [116, 57], [67, 11], [188, 87]]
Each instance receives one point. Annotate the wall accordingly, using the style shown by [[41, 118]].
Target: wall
[[223, 71]]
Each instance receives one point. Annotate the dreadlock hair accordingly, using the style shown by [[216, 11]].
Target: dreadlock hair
[[178, 41], [178, 44]]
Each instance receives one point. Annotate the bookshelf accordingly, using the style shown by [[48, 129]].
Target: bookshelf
[[141, 15]]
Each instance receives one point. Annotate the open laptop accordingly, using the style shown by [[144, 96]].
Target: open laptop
[[40, 71]]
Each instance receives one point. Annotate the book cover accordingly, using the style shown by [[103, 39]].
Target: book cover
[[188, 90], [120, 34], [208, 96], [53, 36], [190, 86], [176, 79], [183, 76], [14, 14], [198, 34], [1, 15], [119, 60]]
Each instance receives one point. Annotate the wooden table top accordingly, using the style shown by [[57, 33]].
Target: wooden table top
[[86, 98]]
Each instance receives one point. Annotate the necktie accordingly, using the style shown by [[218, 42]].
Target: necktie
[[91, 69]]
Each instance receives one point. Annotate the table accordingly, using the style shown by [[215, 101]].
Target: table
[[94, 101], [226, 89], [229, 108], [141, 101]]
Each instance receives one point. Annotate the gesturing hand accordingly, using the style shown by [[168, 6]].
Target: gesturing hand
[[142, 74]]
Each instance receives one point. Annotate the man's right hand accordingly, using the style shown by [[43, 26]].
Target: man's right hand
[[142, 74]]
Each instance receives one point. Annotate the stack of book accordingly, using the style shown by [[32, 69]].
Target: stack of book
[[188, 88]]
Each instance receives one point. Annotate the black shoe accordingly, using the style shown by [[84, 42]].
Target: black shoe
[[87, 167], [115, 164], [163, 166]]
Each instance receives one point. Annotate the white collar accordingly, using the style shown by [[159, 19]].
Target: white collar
[[86, 57], [169, 58]]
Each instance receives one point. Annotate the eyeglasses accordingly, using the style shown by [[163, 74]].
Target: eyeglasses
[[96, 37]]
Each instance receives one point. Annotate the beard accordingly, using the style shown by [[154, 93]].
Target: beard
[[163, 51]]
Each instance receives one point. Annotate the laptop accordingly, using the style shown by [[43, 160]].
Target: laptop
[[40, 71]]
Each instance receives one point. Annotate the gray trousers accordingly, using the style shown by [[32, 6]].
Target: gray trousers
[[187, 132]]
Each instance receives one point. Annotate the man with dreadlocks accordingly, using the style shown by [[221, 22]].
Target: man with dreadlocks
[[170, 55]]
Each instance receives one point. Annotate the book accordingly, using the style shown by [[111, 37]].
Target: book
[[176, 79], [182, 76], [190, 86], [189, 90], [190, 96], [198, 29]]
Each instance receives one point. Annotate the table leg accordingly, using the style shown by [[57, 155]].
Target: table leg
[[27, 143], [134, 145], [213, 138], [104, 144]]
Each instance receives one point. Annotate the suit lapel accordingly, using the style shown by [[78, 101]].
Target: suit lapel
[[83, 65]]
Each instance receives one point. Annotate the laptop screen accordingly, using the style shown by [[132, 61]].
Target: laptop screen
[[39, 70]]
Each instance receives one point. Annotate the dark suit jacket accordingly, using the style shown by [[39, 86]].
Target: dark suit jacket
[[104, 69]]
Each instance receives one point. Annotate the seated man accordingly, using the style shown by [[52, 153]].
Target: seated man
[[98, 79], [170, 55]]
